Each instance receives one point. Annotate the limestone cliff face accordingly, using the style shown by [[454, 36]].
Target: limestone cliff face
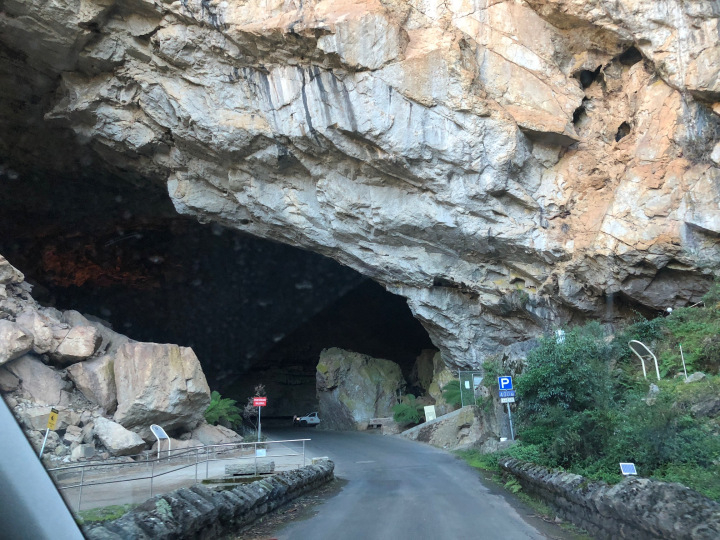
[[504, 165]]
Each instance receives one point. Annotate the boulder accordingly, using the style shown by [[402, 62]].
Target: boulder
[[82, 451], [176, 444], [207, 434], [44, 384], [36, 440], [159, 384], [695, 377], [47, 330], [354, 388], [79, 343], [441, 376], [8, 381], [14, 341], [118, 440], [110, 340], [95, 378], [73, 434], [8, 273], [459, 429], [36, 417]]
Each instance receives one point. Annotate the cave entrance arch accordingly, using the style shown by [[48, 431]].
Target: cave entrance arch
[[254, 311]]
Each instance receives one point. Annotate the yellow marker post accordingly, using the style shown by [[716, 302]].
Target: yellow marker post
[[52, 422]]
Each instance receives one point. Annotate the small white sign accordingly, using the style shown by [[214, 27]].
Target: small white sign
[[507, 400], [628, 469], [430, 413], [260, 452]]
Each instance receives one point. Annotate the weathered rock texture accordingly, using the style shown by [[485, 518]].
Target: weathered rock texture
[[146, 382], [464, 428], [198, 512], [636, 508], [505, 165], [162, 384], [352, 388]]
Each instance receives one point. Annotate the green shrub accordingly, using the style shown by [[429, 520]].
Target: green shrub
[[222, 411], [407, 411], [451, 393]]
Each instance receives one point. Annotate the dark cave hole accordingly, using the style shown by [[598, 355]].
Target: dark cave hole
[[587, 77], [580, 113], [254, 311], [622, 131], [630, 57]]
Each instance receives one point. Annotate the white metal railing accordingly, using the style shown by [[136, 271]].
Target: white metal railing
[[142, 467]]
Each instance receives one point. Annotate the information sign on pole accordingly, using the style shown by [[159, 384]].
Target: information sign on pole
[[259, 402], [52, 419], [507, 395], [52, 422]]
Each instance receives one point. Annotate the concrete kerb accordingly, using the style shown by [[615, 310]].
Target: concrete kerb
[[199, 512]]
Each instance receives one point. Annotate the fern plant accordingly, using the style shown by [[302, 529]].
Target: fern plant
[[222, 411]]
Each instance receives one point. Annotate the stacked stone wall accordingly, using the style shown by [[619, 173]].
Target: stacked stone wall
[[636, 508], [201, 513]]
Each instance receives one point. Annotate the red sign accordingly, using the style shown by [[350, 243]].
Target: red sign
[[259, 401]]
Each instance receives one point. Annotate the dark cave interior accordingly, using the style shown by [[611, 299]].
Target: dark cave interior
[[254, 311]]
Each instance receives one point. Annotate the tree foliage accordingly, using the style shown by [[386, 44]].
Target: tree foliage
[[222, 411], [408, 411]]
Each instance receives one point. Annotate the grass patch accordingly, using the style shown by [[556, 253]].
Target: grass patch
[[104, 513]]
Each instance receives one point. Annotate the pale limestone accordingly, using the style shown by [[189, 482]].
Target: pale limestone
[[42, 383], [207, 434], [95, 378], [79, 343], [15, 341], [445, 149], [118, 440], [159, 384]]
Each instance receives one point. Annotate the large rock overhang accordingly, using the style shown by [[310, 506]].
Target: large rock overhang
[[432, 150]]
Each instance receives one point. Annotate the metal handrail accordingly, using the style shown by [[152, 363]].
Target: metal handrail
[[195, 451]]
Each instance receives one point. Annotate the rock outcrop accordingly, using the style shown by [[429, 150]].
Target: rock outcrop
[[505, 165], [464, 428], [140, 383], [353, 388], [161, 384]]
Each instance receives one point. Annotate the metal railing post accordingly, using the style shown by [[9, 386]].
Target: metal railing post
[[82, 479], [197, 460], [152, 475], [256, 459], [303, 453], [207, 462]]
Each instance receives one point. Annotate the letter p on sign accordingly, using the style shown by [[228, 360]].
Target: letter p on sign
[[505, 383]]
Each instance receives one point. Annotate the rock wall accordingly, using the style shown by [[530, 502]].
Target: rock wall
[[636, 508], [505, 165], [198, 512], [107, 388], [353, 388]]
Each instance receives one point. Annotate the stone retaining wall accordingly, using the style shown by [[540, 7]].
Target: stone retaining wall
[[202, 513], [636, 508]]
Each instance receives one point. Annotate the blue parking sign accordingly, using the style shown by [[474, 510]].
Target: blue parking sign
[[505, 383]]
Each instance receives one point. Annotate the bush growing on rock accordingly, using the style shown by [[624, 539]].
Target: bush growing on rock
[[408, 411], [585, 406]]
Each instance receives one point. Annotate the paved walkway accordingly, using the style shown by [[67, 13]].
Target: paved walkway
[[126, 483]]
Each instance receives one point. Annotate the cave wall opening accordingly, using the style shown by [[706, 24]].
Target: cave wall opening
[[253, 310]]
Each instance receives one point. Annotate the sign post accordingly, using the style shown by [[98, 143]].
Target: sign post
[[259, 402], [507, 395], [52, 422]]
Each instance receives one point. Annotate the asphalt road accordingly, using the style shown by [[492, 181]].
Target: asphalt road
[[398, 489]]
